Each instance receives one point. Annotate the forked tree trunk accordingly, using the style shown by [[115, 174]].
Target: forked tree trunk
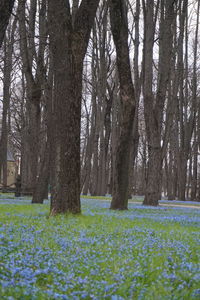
[[68, 57], [119, 27]]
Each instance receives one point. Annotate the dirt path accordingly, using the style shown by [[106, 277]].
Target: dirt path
[[160, 204], [180, 205], [172, 205]]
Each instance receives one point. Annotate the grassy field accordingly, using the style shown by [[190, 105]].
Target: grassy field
[[142, 253]]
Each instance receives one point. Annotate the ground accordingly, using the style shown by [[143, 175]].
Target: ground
[[142, 253]]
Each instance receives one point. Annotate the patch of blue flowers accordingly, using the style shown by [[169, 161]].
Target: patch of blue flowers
[[142, 253]]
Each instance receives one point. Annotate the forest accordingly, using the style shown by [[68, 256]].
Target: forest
[[102, 98], [99, 149]]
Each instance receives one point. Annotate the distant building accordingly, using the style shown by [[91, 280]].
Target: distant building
[[11, 170]]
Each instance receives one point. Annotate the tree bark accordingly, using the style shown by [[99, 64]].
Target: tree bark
[[43, 179], [154, 105], [119, 27], [8, 46], [87, 169], [137, 82], [68, 66], [34, 82]]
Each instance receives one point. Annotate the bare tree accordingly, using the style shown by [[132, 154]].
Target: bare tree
[[119, 26], [69, 41], [154, 104], [34, 70], [8, 53]]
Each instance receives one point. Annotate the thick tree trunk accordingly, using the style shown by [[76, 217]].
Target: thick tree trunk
[[34, 136], [68, 87], [40, 191], [119, 27], [68, 66], [31, 144], [154, 175]]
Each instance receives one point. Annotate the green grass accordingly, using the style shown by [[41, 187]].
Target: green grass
[[139, 199], [7, 195], [137, 254]]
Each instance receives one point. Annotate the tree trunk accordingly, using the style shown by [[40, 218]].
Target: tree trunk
[[154, 105], [43, 179], [154, 175], [119, 27], [114, 127], [34, 82], [194, 173], [135, 138], [68, 66], [182, 167], [170, 178], [8, 46], [86, 173]]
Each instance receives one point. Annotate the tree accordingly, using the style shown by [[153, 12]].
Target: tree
[[68, 40], [119, 27], [33, 62], [154, 103], [8, 53], [6, 7], [187, 102]]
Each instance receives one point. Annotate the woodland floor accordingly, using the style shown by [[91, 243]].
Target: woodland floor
[[143, 253]]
